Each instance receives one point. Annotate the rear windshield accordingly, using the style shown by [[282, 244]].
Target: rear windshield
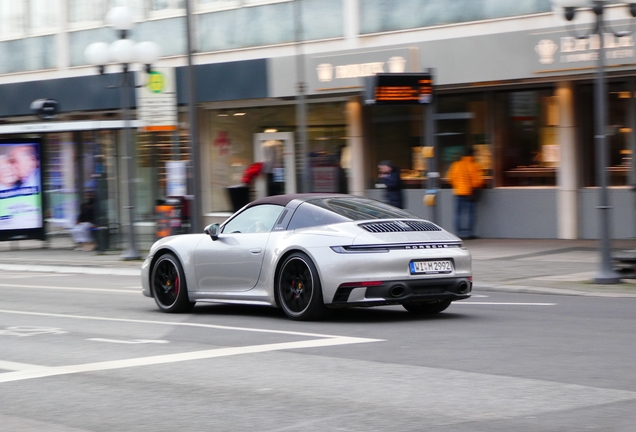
[[361, 208]]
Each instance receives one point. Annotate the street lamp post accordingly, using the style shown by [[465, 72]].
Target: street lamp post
[[606, 274], [124, 52]]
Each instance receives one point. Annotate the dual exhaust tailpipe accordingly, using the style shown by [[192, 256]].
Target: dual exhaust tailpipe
[[463, 287], [399, 290]]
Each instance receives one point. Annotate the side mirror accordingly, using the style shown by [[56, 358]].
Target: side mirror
[[213, 231]]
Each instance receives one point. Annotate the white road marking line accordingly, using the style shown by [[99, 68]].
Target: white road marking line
[[134, 341], [13, 366], [43, 372], [504, 303], [46, 287], [212, 326], [32, 276], [21, 331], [110, 271]]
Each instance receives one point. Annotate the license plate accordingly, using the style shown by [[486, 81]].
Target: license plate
[[431, 267]]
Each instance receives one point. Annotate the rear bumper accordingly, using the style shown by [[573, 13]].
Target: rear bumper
[[404, 291]]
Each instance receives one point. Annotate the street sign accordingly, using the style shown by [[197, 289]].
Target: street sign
[[157, 100]]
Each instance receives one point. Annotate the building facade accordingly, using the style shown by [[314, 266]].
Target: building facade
[[510, 81]]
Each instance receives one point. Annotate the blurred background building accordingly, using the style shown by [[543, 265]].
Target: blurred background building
[[510, 81]]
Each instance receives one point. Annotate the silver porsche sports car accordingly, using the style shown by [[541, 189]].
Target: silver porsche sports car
[[308, 253]]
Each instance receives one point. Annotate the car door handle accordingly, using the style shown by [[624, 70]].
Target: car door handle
[[256, 251]]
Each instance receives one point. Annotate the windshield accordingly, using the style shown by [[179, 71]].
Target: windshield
[[361, 208]]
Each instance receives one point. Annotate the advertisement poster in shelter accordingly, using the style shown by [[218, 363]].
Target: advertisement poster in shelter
[[21, 215]]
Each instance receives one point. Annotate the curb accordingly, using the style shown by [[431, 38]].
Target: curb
[[551, 291]]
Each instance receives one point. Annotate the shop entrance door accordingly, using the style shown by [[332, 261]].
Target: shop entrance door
[[276, 151]]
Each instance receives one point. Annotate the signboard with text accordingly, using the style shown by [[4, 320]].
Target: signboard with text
[[176, 179], [157, 100], [21, 215]]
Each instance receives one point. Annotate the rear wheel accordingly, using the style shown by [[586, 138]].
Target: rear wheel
[[298, 288], [427, 308], [169, 285]]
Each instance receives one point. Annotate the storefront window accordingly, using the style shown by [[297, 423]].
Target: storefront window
[[462, 122], [237, 137], [395, 134], [526, 124], [154, 151], [617, 138]]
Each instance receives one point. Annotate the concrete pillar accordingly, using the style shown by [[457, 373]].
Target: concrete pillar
[[567, 178], [351, 13], [354, 154]]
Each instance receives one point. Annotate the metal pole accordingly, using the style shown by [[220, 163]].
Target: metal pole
[[301, 103], [606, 274], [196, 210], [131, 253], [432, 174]]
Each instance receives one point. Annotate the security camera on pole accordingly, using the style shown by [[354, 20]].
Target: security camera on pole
[[124, 51]]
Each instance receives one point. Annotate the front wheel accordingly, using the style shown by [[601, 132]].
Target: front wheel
[[298, 288], [427, 308], [169, 285]]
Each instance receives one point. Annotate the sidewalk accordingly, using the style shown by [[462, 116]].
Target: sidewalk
[[512, 265]]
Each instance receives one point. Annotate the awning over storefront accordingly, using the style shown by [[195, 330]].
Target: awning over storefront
[[27, 128]]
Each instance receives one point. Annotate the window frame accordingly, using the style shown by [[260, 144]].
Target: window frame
[[232, 4], [170, 12], [42, 31], [20, 33], [225, 225]]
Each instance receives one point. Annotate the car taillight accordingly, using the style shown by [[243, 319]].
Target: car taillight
[[361, 284]]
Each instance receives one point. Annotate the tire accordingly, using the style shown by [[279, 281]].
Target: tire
[[298, 289], [168, 285], [427, 308]]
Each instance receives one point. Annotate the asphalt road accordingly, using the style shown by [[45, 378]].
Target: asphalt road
[[90, 353]]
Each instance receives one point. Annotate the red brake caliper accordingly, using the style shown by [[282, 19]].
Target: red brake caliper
[[176, 285]]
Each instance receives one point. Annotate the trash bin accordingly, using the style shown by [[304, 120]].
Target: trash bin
[[239, 195]]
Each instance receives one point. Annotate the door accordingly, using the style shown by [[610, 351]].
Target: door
[[276, 151], [233, 261]]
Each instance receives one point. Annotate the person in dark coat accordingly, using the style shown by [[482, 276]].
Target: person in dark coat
[[390, 177], [81, 232]]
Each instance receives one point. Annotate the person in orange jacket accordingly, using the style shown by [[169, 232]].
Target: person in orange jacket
[[465, 176]]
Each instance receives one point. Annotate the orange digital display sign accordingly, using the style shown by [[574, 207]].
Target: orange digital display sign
[[405, 88]]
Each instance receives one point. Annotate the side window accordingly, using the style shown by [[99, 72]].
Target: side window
[[254, 220], [309, 215]]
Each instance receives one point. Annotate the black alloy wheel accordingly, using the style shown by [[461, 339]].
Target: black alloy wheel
[[169, 286], [429, 308], [298, 288]]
